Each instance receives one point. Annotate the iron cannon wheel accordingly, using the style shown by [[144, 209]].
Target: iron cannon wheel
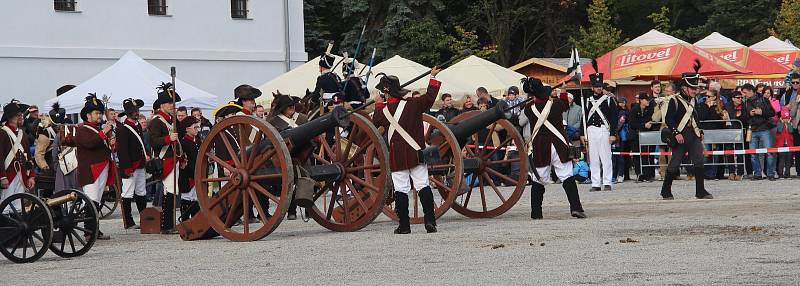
[[228, 200], [485, 199], [74, 238], [356, 198], [446, 178], [26, 230]]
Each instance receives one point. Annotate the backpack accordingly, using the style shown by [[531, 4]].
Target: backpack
[[660, 110]]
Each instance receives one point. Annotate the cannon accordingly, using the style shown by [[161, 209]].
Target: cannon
[[29, 225], [342, 182], [464, 161]]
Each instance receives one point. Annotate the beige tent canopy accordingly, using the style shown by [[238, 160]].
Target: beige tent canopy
[[403, 68], [464, 77]]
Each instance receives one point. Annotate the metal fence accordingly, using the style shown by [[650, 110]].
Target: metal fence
[[733, 135]]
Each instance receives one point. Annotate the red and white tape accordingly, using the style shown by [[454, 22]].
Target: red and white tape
[[718, 152], [707, 153]]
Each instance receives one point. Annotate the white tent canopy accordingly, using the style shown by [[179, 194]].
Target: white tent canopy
[[717, 40], [464, 77], [296, 81], [404, 69], [773, 44], [131, 77]]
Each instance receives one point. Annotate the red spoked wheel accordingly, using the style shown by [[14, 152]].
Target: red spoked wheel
[[446, 176], [243, 168], [499, 159], [356, 197]]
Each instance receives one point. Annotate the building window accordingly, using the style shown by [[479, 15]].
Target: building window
[[239, 9], [157, 7], [65, 5]]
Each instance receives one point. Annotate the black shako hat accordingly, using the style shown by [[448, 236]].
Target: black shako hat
[[92, 104], [692, 79], [596, 78], [535, 87]]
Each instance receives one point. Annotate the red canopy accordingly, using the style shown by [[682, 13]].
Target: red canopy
[[656, 55], [740, 55]]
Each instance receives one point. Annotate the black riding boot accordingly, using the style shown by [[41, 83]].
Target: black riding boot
[[291, 214], [167, 214], [426, 198], [141, 202], [537, 196], [92, 224], [575, 207], [401, 208], [666, 188], [127, 214], [700, 187]]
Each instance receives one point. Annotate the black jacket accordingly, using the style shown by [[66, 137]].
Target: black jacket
[[448, 112], [186, 175], [706, 113], [130, 154], [676, 111], [638, 118], [759, 122], [328, 82], [609, 109]]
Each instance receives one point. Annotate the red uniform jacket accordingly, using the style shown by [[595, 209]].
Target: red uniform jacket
[[5, 147], [401, 155], [93, 155]]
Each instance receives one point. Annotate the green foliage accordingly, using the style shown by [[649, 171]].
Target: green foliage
[[601, 36], [661, 21], [787, 24]]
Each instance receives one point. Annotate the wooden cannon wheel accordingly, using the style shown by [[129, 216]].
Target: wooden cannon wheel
[[446, 177], [261, 180], [354, 199], [485, 198], [26, 228], [72, 236]]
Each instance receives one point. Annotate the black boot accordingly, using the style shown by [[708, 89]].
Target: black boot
[[575, 207], [700, 187], [426, 198], [537, 196], [291, 214], [666, 188], [127, 214], [401, 208], [141, 202], [92, 224], [167, 215]]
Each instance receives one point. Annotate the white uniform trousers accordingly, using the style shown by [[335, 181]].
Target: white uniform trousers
[[190, 196], [170, 182], [135, 184], [563, 170], [402, 180], [15, 187], [95, 190], [599, 155]]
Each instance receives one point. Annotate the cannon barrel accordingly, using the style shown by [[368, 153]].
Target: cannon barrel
[[301, 136], [464, 129]]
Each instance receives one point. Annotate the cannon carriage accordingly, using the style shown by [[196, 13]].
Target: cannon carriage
[[67, 224], [246, 168]]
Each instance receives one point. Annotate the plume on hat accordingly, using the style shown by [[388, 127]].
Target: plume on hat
[[697, 65], [594, 66], [164, 86]]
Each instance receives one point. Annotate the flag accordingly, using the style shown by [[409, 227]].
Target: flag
[[574, 66]]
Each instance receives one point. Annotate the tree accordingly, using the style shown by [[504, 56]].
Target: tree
[[787, 24], [661, 21], [601, 36]]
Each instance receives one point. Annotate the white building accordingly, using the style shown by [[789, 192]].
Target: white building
[[214, 44]]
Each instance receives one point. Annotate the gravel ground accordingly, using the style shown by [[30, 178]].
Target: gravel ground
[[748, 235]]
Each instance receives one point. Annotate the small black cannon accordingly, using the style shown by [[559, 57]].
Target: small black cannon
[[66, 224]]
